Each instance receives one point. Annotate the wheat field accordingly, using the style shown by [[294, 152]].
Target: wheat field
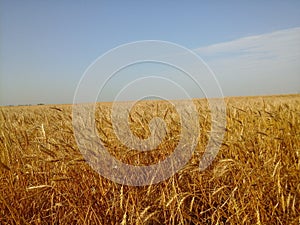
[[255, 178]]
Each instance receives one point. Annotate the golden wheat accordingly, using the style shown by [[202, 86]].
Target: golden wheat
[[254, 179]]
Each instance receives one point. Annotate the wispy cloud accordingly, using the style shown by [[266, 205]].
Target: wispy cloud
[[262, 64]]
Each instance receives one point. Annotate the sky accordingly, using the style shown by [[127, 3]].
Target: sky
[[252, 47]]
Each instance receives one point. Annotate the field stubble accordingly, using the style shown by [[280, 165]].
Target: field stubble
[[254, 179]]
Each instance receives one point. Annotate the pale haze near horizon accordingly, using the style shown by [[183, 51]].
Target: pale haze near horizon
[[45, 47]]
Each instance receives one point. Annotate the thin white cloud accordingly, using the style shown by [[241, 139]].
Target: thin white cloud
[[262, 64], [279, 43]]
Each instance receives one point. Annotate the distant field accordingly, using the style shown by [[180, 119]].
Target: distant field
[[255, 178]]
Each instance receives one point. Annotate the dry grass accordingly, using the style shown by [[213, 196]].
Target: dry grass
[[254, 179]]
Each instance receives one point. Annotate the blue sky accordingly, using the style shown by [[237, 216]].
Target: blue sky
[[45, 46]]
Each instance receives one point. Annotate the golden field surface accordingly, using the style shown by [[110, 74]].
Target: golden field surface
[[254, 179]]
